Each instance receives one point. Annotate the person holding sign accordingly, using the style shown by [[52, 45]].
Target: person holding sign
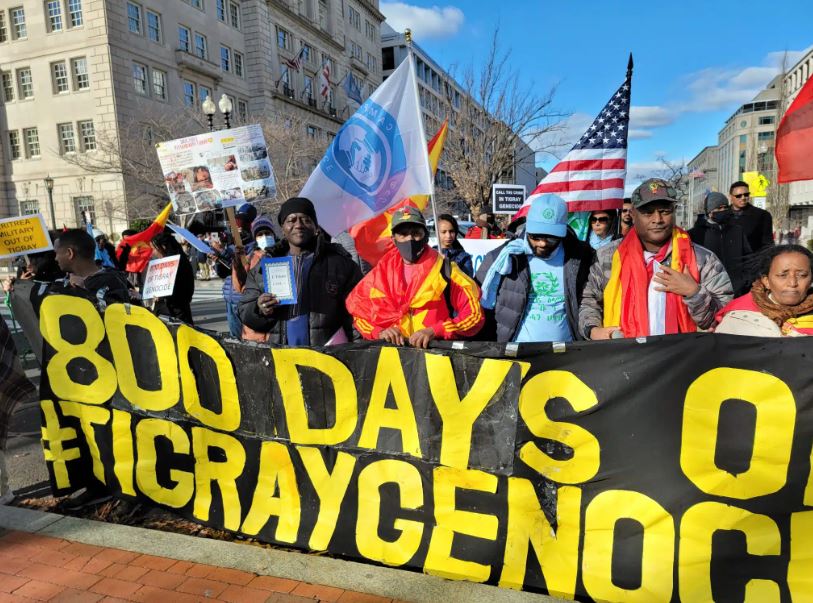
[[414, 294], [179, 303], [654, 281], [316, 278]]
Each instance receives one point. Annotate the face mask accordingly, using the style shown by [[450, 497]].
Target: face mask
[[721, 217], [411, 250], [264, 242]]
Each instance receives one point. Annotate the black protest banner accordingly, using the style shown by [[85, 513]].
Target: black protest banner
[[675, 469]]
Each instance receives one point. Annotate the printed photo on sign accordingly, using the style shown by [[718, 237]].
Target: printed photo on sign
[[218, 169], [159, 280], [279, 280], [22, 235]]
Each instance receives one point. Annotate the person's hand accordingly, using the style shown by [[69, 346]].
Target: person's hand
[[672, 281], [392, 335], [421, 339], [266, 304], [598, 333], [27, 276], [8, 284]]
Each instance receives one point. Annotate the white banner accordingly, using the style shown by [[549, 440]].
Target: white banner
[[160, 278]]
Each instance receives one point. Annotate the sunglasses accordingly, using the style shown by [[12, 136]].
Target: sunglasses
[[600, 219], [550, 240], [626, 210], [743, 195]]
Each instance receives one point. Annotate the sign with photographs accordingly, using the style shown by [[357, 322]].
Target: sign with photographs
[[217, 169]]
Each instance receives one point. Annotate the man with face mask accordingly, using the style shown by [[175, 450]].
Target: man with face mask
[[533, 285], [654, 281], [720, 234], [324, 274], [413, 294]]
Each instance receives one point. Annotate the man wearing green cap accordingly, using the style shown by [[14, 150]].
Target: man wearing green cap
[[655, 281]]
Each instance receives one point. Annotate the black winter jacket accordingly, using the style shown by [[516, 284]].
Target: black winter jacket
[[512, 296], [756, 224], [179, 304], [728, 242], [330, 279]]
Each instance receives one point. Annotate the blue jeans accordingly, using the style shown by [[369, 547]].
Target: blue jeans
[[235, 324]]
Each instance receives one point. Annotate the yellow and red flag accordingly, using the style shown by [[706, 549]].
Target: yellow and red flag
[[139, 243], [373, 237]]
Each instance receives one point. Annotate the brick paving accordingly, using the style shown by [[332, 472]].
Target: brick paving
[[34, 567]]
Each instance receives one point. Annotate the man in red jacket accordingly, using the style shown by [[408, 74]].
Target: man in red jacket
[[413, 294]]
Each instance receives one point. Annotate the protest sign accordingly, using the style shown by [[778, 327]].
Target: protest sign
[[507, 198], [22, 235], [219, 169], [160, 278], [680, 471]]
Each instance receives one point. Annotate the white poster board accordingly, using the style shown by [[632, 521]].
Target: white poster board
[[160, 278], [217, 169]]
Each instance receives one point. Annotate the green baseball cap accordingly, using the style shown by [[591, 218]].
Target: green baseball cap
[[651, 190], [407, 215]]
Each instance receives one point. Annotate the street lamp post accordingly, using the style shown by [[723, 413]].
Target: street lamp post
[[209, 109], [226, 108], [49, 186]]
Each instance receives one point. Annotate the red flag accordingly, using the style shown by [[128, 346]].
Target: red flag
[[373, 237], [140, 250], [794, 138]]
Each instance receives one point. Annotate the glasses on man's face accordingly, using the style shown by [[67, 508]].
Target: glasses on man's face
[[548, 239], [599, 219], [626, 210], [743, 196]]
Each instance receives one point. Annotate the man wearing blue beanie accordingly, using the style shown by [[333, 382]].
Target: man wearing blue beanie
[[532, 286]]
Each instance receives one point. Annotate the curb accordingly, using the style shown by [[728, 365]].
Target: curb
[[314, 569]]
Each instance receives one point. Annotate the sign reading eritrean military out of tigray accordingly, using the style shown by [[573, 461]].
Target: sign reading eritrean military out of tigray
[[672, 469], [507, 198]]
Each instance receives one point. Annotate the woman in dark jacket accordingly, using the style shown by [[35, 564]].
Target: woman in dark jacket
[[448, 234], [179, 304]]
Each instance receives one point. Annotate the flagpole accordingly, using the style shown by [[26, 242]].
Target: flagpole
[[408, 39]]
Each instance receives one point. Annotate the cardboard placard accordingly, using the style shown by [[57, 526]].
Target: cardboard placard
[[160, 278], [22, 235]]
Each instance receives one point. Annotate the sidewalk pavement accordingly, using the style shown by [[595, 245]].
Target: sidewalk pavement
[[51, 557]]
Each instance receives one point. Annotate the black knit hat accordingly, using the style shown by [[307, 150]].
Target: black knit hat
[[297, 205]]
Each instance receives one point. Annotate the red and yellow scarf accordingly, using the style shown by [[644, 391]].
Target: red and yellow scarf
[[626, 296]]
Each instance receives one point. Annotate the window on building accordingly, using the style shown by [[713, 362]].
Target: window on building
[[355, 50], [196, 3], [81, 78], [388, 58], [234, 14], [159, 84], [283, 39], [85, 209], [184, 35], [220, 9], [369, 30], [154, 26], [25, 83], [3, 27], [311, 131], [140, 78], [307, 53], [766, 120], [14, 145], [238, 64], [242, 111], [87, 135], [200, 45], [203, 93], [59, 72], [354, 17], [765, 136], [17, 17], [134, 18], [323, 11], [308, 87], [8, 86], [53, 11], [188, 93], [31, 138], [29, 207], [75, 13], [225, 58], [67, 141], [285, 76]]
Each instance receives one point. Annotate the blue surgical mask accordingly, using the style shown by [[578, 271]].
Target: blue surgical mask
[[264, 242]]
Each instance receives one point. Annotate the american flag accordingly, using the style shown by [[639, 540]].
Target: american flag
[[296, 62], [591, 176]]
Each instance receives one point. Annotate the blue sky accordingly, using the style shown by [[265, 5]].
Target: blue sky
[[695, 62]]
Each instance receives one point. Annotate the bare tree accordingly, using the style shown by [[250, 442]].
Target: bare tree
[[130, 153], [778, 200], [490, 122]]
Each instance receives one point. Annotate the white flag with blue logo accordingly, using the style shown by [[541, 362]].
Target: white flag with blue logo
[[378, 158]]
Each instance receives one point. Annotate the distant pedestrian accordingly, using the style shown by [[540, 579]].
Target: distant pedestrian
[[626, 217], [602, 228], [756, 223], [718, 232], [448, 234]]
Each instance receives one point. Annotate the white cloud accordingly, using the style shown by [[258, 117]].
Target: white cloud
[[560, 139], [650, 116], [425, 23], [637, 134]]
